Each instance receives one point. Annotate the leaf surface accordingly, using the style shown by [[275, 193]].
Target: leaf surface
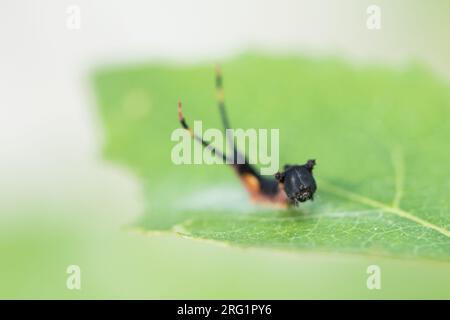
[[380, 137]]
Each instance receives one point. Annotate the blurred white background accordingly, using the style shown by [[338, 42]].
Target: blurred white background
[[50, 136]]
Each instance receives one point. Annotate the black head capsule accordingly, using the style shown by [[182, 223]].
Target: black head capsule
[[298, 181]]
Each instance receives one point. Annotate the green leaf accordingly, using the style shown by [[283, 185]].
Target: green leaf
[[380, 137]]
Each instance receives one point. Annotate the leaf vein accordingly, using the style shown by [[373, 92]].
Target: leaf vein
[[380, 205]]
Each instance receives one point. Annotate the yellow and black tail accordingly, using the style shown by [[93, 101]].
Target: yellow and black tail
[[220, 98], [239, 162], [206, 144]]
